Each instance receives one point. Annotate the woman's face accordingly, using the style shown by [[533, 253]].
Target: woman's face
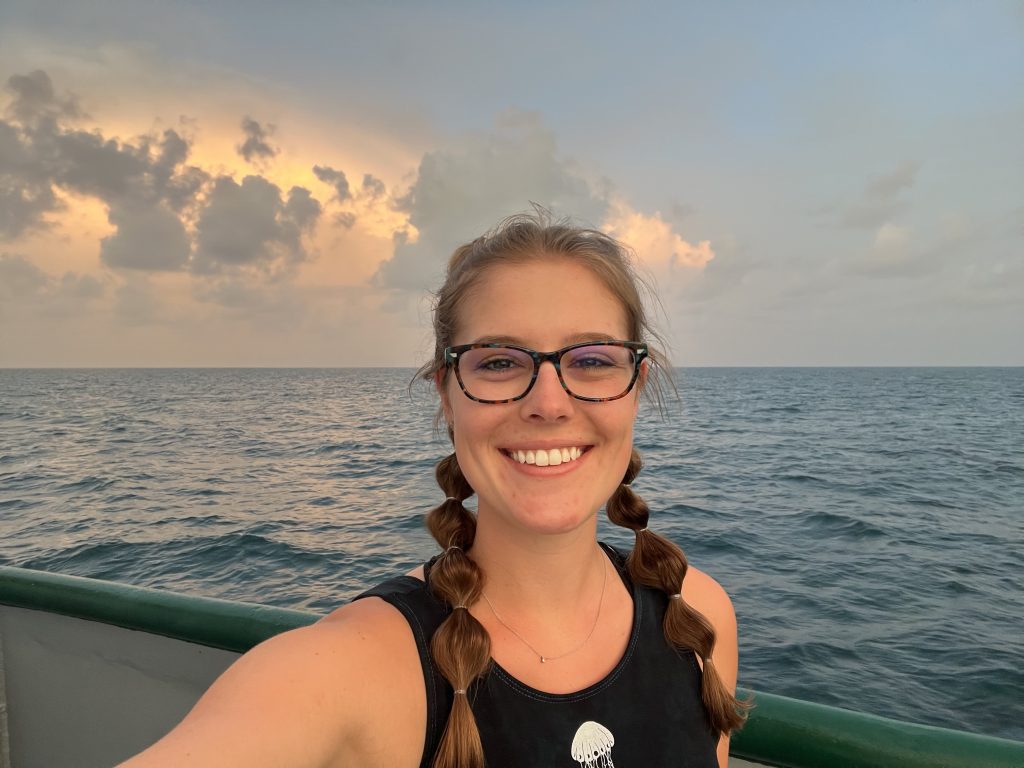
[[542, 305]]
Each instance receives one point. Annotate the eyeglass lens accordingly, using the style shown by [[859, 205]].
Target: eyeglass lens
[[504, 373]]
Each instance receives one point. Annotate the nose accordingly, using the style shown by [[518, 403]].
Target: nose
[[548, 400]]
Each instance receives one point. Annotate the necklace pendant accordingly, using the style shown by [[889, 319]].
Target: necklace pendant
[[543, 660]]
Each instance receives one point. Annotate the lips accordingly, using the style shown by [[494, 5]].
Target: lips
[[546, 457]]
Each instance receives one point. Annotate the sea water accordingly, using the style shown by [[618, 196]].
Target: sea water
[[868, 522]]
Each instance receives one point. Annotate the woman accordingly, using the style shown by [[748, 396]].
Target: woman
[[524, 642]]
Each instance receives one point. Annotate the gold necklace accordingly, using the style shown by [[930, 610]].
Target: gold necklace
[[545, 659]]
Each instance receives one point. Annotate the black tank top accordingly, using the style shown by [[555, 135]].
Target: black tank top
[[646, 713]]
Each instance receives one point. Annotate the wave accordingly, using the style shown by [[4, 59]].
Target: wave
[[834, 523], [18, 504], [89, 483]]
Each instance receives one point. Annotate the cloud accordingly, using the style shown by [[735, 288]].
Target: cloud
[[373, 187], [26, 191], [148, 237], [77, 286], [654, 240], [335, 179], [151, 171], [90, 164], [302, 210], [20, 278], [900, 252], [35, 100], [891, 254], [891, 184], [345, 219], [465, 190], [256, 148], [171, 181], [148, 188], [249, 224], [233, 239], [881, 202], [369, 204], [22, 282], [156, 202], [23, 205], [684, 274]]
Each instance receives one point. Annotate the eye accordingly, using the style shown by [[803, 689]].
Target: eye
[[595, 357], [497, 363], [494, 362], [597, 360], [593, 361]]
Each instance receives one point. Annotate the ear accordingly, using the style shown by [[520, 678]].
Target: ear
[[442, 391], [641, 382], [645, 368]]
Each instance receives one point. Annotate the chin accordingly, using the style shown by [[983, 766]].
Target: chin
[[542, 519]]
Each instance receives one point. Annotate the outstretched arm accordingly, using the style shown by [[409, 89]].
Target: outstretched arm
[[323, 695]]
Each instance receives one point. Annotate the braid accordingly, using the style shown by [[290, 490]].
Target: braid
[[657, 562], [461, 646]]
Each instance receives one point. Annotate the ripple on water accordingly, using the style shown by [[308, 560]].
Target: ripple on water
[[835, 523], [200, 492], [323, 501], [87, 484], [17, 505]]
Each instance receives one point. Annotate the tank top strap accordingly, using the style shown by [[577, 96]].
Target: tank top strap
[[424, 613], [618, 558]]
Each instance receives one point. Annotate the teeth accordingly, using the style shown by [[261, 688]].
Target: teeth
[[550, 458]]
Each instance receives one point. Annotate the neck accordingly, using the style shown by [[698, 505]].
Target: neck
[[539, 574]]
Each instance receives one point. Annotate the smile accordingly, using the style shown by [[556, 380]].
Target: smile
[[547, 458]]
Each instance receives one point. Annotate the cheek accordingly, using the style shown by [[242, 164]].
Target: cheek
[[621, 420], [472, 450], [624, 428], [473, 423]]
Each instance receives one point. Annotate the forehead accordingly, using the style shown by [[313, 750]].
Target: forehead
[[545, 304]]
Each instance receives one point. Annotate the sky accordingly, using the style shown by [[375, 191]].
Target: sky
[[271, 184]]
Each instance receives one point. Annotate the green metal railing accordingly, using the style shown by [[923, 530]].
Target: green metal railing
[[780, 732], [798, 734], [231, 626]]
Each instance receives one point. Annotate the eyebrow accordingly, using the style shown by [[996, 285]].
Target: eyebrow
[[575, 338]]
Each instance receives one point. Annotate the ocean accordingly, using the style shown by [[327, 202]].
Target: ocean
[[868, 522]]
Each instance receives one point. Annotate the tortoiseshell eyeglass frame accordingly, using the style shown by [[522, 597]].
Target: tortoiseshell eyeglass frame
[[639, 349]]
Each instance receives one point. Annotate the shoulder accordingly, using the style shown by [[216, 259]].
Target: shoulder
[[307, 696], [341, 659], [706, 595]]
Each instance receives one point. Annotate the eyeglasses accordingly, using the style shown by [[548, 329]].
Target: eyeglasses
[[595, 371]]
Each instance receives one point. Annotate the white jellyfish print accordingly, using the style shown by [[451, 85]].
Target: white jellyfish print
[[592, 746]]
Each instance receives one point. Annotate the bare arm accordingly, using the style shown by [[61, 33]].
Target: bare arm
[[707, 596], [316, 696]]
